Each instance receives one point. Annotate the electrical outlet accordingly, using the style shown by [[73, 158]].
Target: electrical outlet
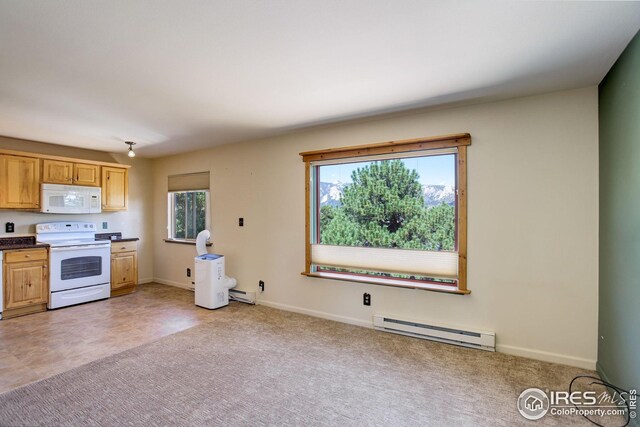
[[188, 272], [241, 222], [105, 225], [366, 299], [261, 285]]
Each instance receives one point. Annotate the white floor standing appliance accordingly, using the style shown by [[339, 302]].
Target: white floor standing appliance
[[79, 265], [212, 285]]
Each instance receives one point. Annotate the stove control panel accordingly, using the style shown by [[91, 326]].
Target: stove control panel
[[66, 227]]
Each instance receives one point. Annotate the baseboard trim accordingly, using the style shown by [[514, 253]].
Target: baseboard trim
[[507, 349], [315, 313], [545, 356], [143, 281], [172, 283]]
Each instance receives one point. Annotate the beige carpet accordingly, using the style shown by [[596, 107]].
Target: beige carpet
[[260, 366]]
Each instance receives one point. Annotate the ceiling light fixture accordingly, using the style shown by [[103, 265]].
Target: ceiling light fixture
[[131, 152]]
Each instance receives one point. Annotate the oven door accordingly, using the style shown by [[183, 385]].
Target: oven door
[[79, 266]]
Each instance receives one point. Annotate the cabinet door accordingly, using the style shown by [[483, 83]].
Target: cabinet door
[[84, 174], [19, 182], [26, 284], [114, 189], [124, 270], [57, 172]]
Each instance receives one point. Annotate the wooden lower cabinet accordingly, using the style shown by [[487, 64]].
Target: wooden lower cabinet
[[26, 282], [124, 268]]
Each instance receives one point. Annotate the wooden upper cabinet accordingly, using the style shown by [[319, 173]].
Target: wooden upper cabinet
[[115, 189], [19, 182], [21, 174], [69, 173], [57, 172], [84, 174]]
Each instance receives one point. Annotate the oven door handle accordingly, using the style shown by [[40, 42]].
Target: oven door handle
[[78, 248]]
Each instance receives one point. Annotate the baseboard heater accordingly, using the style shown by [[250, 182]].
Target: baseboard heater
[[248, 297], [466, 338]]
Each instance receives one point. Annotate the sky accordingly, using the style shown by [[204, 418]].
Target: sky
[[433, 170]]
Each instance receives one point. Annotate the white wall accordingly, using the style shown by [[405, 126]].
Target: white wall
[[532, 220], [132, 223]]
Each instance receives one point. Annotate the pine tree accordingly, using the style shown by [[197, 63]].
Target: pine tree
[[384, 207]]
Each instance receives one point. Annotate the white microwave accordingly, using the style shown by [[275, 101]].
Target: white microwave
[[70, 199]]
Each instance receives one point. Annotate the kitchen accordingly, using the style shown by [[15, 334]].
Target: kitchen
[[121, 214]]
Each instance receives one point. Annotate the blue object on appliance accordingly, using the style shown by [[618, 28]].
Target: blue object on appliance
[[210, 256]]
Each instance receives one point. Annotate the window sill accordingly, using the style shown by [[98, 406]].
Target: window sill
[[183, 242], [387, 282]]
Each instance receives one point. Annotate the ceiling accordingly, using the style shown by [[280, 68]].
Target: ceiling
[[177, 76]]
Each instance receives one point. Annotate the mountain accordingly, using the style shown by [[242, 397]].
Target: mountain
[[438, 194], [331, 193]]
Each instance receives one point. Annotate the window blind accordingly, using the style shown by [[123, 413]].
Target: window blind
[[443, 265], [189, 182]]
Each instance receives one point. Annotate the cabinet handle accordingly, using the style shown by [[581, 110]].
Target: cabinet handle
[[27, 256]]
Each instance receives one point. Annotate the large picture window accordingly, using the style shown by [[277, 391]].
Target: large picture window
[[391, 213]]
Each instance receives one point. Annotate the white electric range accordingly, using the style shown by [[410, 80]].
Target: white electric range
[[79, 265]]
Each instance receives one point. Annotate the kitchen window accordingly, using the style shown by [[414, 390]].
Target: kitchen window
[[392, 214], [188, 206], [188, 214]]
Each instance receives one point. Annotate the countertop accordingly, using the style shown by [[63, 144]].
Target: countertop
[[24, 242], [115, 237]]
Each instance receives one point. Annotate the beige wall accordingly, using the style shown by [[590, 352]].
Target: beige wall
[[135, 222], [533, 193], [533, 223]]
